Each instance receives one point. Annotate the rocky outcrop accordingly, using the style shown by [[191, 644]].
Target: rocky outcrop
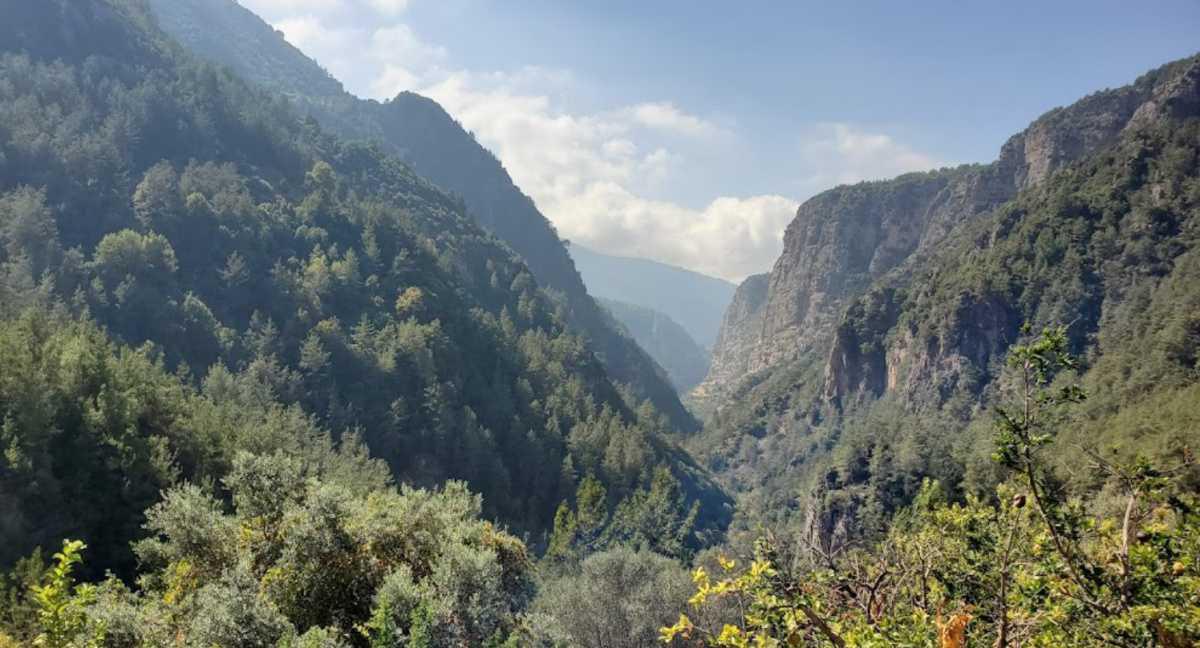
[[737, 338], [887, 359], [844, 240], [870, 355], [839, 242]]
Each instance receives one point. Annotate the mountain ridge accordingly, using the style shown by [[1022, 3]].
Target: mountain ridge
[[685, 361], [843, 239], [895, 380], [695, 300], [421, 132], [197, 218]]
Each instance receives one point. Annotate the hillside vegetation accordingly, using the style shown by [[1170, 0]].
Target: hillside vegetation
[[242, 248], [420, 132], [665, 340], [266, 386]]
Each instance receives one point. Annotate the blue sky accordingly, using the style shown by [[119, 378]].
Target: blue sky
[[688, 132]]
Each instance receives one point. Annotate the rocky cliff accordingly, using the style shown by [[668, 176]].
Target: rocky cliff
[[845, 239], [737, 337], [927, 363], [880, 346]]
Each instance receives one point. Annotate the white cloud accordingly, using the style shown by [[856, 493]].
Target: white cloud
[[397, 43], [339, 9], [333, 48], [665, 116], [839, 153], [404, 61], [282, 9], [393, 80], [729, 237], [603, 175], [582, 171], [309, 34], [389, 7]]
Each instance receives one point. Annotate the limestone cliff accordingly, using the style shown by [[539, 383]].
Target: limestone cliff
[[738, 335], [871, 354], [845, 239], [879, 347]]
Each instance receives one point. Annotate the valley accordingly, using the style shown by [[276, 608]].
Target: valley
[[284, 366]]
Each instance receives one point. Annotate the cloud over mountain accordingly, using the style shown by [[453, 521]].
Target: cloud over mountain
[[603, 173]]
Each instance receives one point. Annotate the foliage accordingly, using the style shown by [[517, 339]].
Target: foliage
[[241, 247], [656, 518], [1107, 244], [1033, 566], [421, 132], [302, 560], [618, 597], [60, 603]]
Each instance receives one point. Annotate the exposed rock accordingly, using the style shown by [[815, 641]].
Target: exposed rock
[[845, 239], [740, 331], [839, 242]]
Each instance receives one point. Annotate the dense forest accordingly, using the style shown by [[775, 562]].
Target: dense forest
[[266, 382], [173, 236], [420, 132]]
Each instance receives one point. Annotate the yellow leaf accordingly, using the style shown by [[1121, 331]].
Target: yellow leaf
[[953, 633]]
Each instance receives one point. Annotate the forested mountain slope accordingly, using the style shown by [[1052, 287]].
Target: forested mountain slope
[[900, 300], [274, 267], [419, 131], [665, 340]]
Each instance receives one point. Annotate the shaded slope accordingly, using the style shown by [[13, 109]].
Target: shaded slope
[[424, 135], [665, 340], [694, 300], [184, 209]]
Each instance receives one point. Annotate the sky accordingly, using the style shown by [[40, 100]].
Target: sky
[[688, 131]]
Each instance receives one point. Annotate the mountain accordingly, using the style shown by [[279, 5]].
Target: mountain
[[421, 133], [265, 385], [868, 359], [736, 339], [846, 238], [235, 252], [665, 340], [694, 300]]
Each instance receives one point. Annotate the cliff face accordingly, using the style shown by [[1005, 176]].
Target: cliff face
[[925, 361], [839, 242], [881, 339], [738, 335], [845, 239]]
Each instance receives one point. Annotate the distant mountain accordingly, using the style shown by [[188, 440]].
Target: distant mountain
[[696, 301], [420, 131], [665, 340]]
